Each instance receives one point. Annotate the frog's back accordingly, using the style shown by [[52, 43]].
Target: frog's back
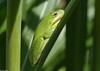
[[44, 25]]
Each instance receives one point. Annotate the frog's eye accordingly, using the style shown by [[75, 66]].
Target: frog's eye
[[55, 14]]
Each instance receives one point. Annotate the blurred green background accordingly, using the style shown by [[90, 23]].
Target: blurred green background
[[77, 47]]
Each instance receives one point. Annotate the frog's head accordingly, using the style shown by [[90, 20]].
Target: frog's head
[[53, 18], [57, 16]]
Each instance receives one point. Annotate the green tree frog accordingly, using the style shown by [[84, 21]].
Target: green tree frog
[[43, 33]]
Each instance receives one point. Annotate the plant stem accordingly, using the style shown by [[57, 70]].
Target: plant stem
[[13, 41], [96, 48]]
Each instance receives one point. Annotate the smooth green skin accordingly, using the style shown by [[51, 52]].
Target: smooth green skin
[[43, 33]]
